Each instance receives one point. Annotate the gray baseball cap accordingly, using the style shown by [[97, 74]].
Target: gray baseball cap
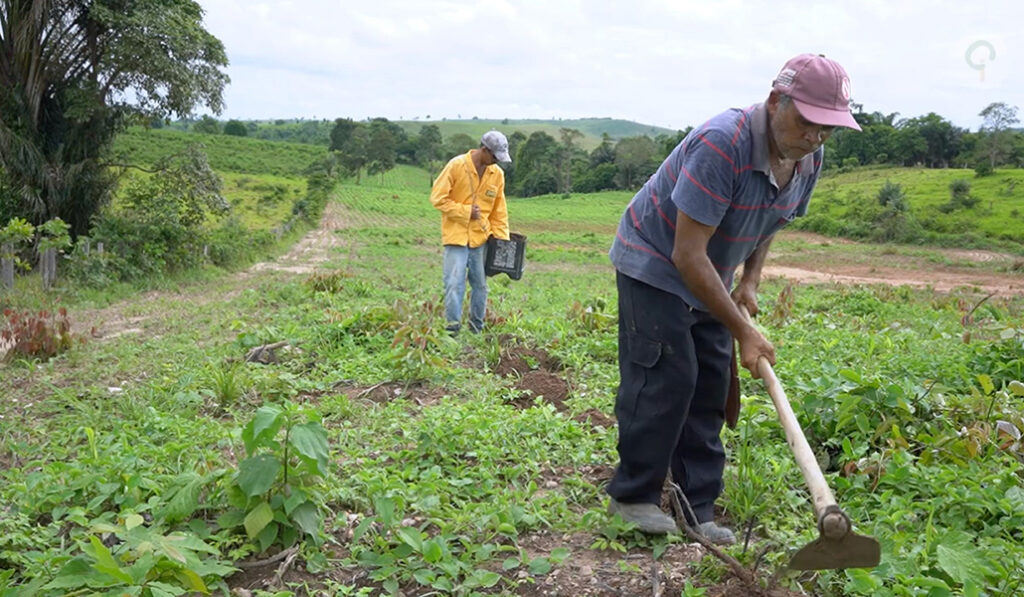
[[498, 144]]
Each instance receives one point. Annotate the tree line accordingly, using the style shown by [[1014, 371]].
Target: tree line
[[543, 164]]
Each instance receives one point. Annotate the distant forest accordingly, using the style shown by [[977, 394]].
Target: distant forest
[[588, 155]]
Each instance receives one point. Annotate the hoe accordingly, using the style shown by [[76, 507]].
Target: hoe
[[837, 546]]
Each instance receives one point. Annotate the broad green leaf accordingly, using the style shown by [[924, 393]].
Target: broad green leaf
[[540, 566], [133, 520], [851, 375], [310, 440], [432, 551], [75, 573], [960, 564], [256, 475], [484, 578], [972, 589], [264, 425], [559, 554], [211, 567], [268, 535], [160, 589], [184, 501], [190, 542], [105, 561], [510, 563], [443, 584], [938, 587], [385, 508], [231, 519], [191, 580], [297, 498], [861, 581], [986, 384], [1015, 495], [307, 517], [174, 553], [1016, 388], [424, 576], [288, 535], [412, 537], [141, 567], [103, 528], [257, 519]]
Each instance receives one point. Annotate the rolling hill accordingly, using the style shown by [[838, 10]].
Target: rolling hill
[[592, 128], [317, 132]]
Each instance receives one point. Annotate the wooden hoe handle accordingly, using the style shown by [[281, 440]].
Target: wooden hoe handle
[[832, 522]]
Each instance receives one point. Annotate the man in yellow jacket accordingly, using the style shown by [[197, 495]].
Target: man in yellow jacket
[[470, 193]]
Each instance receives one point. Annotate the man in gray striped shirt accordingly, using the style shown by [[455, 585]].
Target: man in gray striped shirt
[[713, 205]]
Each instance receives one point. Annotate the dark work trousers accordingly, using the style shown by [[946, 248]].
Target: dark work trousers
[[674, 368]]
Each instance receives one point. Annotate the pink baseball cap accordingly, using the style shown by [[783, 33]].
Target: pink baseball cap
[[819, 87]]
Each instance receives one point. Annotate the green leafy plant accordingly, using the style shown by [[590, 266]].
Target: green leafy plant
[[592, 315], [53, 234], [397, 553], [136, 559], [12, 236], [227, 383], [274, 495], [611, 530]]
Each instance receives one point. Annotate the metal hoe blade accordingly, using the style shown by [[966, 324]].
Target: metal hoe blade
[[852, 551], [837, 546]]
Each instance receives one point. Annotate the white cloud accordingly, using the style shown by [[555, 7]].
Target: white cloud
[[671, 63]]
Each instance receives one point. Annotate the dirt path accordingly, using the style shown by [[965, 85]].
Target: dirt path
[[940, 281], [305, 257], [942, 270]]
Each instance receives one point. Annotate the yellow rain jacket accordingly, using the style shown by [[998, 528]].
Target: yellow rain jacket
[[454, 192]]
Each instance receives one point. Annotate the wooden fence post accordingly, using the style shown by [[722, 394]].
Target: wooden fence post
[[48, 265], [7, 268]]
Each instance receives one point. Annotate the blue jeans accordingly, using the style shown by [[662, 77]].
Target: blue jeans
[[457, 260]]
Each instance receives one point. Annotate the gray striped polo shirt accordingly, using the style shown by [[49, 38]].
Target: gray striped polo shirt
[[720, 176]]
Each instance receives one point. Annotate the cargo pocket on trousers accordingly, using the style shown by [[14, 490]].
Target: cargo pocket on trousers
[[644, 354]]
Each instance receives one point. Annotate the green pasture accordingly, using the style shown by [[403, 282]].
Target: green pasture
[[226, 153], [999, 214], [261, 201]]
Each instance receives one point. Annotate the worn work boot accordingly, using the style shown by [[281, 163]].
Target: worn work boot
[[716, 534], [647, 517]]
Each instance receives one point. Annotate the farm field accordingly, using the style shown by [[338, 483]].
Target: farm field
[[475, 465]]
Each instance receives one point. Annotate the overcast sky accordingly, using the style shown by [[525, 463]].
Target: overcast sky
[[670, 63]]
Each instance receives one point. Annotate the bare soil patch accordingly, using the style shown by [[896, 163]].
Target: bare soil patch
[[536, 374], [899, 269]]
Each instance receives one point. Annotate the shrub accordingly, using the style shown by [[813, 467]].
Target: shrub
[[891, 195], [40, 335], [959, 196], [236, 128]]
